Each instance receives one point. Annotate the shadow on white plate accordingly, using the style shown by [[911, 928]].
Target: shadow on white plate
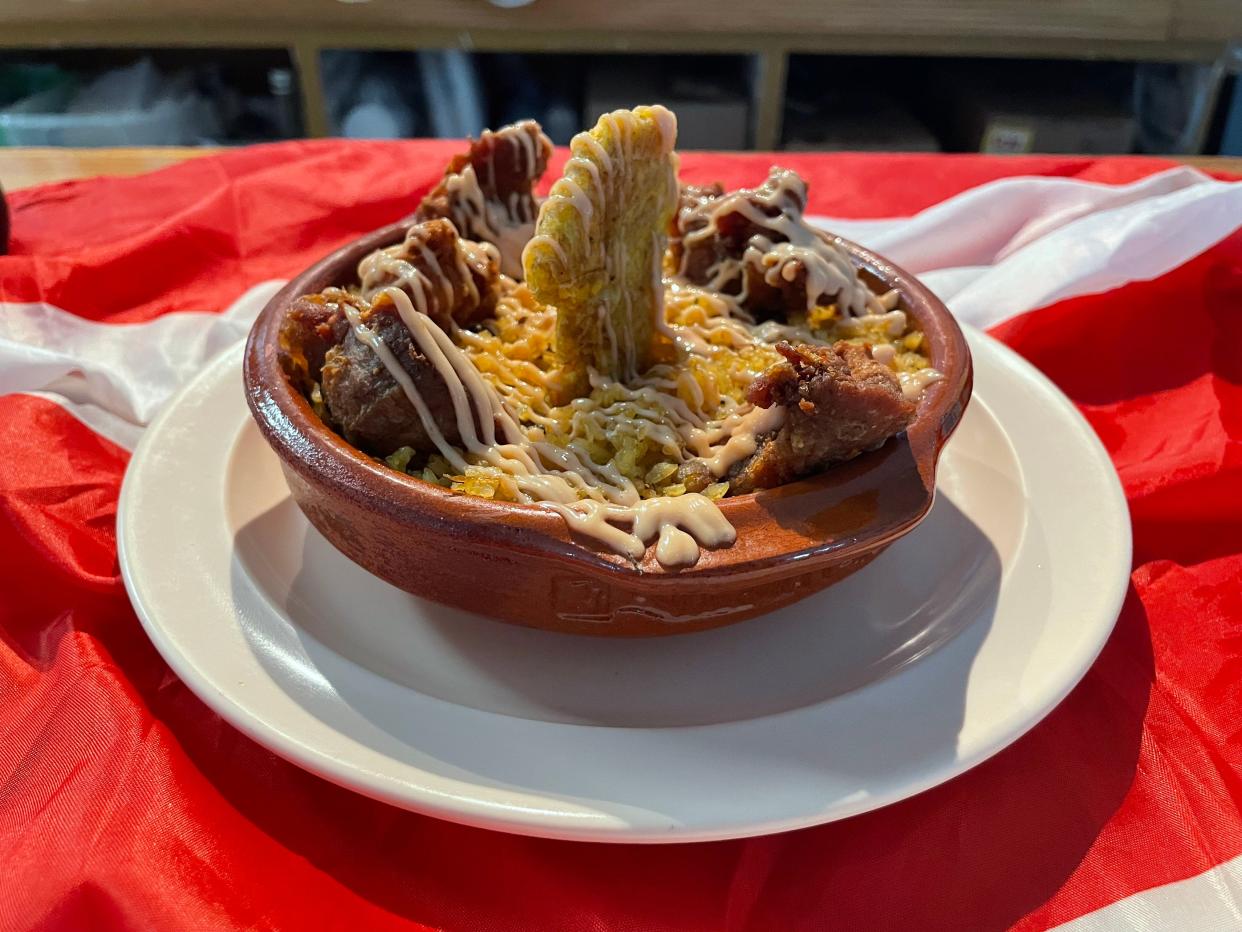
[[360, 654], [926, 589]]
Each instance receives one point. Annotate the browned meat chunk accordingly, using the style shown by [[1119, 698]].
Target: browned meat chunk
[[449, 279], [839, 402], [488, 192], [691, 196], [725, 242], [313, 324], [368, 406]]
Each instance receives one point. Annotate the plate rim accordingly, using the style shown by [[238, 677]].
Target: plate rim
[[594, 825]]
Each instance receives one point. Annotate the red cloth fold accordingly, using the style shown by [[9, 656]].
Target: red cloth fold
[[126, 804]]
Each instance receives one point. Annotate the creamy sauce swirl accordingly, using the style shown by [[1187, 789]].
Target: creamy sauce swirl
[[792, 245], [500, 404], [595, 500], [508, 226]]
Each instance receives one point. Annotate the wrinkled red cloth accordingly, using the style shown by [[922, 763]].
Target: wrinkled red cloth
[[126, 804]]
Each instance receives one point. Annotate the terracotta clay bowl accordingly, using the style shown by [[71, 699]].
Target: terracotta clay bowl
[[520, 563]]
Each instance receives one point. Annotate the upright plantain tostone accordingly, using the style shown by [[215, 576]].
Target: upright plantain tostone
[[599, 243]]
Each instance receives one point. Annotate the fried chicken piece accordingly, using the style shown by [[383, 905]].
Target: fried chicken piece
[[487, 192], [839, 402], [368, 406], [450, 279], [755, 243], [312, 325]]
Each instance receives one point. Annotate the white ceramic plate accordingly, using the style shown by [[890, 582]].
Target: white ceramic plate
[[953, 643]]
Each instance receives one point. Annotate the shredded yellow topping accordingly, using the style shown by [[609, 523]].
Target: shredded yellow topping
[[641, 428]]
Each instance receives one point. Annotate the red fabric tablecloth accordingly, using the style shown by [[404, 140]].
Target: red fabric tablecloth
[[126, 804]]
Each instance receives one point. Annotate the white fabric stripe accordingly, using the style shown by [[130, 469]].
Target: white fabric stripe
[[1014, 245], [1100, 252], [129, 370], [993, 219], [1205, 903]]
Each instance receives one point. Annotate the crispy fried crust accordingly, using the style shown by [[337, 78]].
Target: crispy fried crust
[[690, 197], [701, 261], [452, 280], [839, 402], [599, 242], [488, 192], [312, 325]]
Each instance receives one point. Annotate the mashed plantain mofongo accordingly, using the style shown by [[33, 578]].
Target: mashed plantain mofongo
[[668, 347]]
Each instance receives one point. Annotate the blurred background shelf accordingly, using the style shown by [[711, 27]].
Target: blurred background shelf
[[960, 75]]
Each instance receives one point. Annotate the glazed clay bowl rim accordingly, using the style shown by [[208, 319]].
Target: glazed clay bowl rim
[[323, 458]]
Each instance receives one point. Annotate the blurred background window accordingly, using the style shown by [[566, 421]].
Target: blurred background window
[[1156, 76]]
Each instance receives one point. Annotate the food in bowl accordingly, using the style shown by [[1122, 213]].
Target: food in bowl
[[628, 353]]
